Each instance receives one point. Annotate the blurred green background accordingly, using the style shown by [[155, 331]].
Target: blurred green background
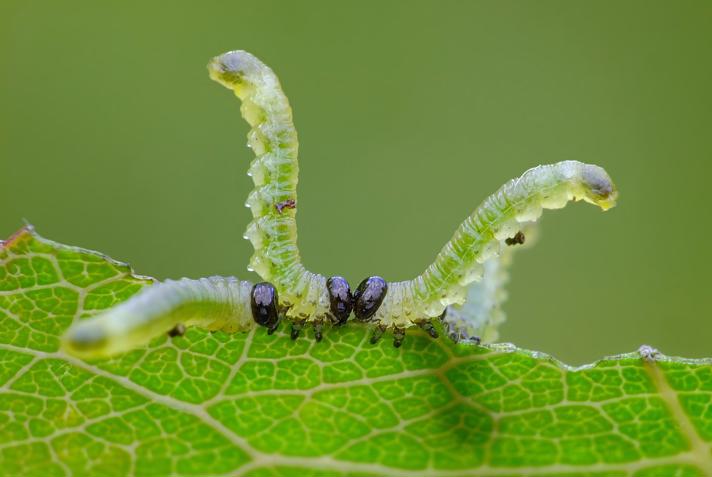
[[112, 137]]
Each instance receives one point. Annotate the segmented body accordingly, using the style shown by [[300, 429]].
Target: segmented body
[[275, 173], [483, 234], [214, 303], [273, 231], [481, 313], [227, 304]]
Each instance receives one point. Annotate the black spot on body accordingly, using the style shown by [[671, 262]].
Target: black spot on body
[[518, 239], [286, 204]]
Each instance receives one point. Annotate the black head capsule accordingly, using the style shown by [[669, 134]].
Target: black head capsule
[[341, 301], [368, 297], [263, 300]]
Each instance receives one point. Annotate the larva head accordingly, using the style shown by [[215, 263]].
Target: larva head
[[264, 300], [340, 298], [597, 186], [368, 297]]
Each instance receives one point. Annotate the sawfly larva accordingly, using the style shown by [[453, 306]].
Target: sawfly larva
[[481, 315], [275, 172], [463, 286], [394, 306], [213, 303], [483, 235]]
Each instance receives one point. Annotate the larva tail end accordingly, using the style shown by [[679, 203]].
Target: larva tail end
[[231, 68], [86, 340], [599, 189]]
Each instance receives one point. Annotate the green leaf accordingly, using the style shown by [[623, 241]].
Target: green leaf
[[259, 405]]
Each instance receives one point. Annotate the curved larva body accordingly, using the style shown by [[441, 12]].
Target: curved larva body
[[214, 303], [481, 314], [273, 231], [275, 170], [483, 234], [219, 303]]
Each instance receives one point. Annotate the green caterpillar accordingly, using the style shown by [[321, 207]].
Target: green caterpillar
[[481, 313], [471, 264], [275, 173], [483, 235], [214, 303]]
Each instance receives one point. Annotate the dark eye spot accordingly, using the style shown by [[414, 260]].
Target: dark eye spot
[[368, 297], [340, 298], [263, 300]]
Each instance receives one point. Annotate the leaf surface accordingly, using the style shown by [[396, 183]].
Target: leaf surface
[[259, 405]]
